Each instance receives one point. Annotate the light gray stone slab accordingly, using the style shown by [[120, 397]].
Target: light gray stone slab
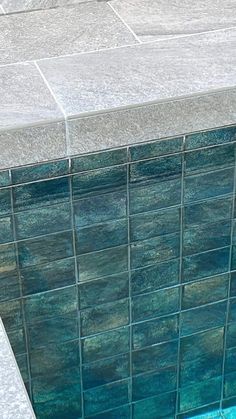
[[24, 97], [1, 10], [152, 19], [142, 73], [11, 6], [59, 31], [14, 401], [145, 123]]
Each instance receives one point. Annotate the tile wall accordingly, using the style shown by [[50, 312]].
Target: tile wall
[[118, 279]]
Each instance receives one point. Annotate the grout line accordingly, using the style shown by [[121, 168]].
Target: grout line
[[124, 22]]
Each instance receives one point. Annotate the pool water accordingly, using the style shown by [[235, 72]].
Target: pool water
[[225, 414]]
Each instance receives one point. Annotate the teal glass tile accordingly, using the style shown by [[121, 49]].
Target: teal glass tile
[[106, 397], [5, 201], [105, 371], [232, 310], [58, 274], [205, 411], [106, 344], [155, 331], [213, 137], [101, 236], [208, 185], [99, 181], [155, 304], [151, 384], [151, 224], [10, 312], [156, 148], [230, 385], [96, 209], [201, 369], [17, 340], [45, 249], [205, 291], [38, 194], [38, 222], [99, 160], [154, 250], [210, 159], [7, 259], [103, 263], [233, 261], [205, 264], [206, 237], [4, 178], [231, 335], [155, 277], [159, 407], [123, 412], [23, 367], [40, 171], [203, 318], [6, 233], [104, 290], [208, 211], [104, 317], [152, 196], [210, 342], [200, 394], [9, 286], [162, 169], [233, 284], [230, 360], [155, 357], [50, 304]]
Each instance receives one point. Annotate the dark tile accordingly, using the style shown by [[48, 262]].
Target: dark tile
[[232, 310], [210, 342], [162, 406], [6, 233], [40, 194], [201, 369], [99, 160], [155, 250], [10, 312], [207, 138], [208, 185], [155, 357], [99, 181], [155, 304], [151, 384], [200, 394], [205, 264], [123, 412], [233, 284], [230, 385], [5, 201], [162, 169], [156, 148], [105, 371], [107, 344], [208, 211], [104, 317], [45, 249], [101, 236], [103, 263], [203, 318], [233, 260], [230, 360], [40, 171], [155, 277], [7, 259], [210, 159], [106, 397], [17, 340], [9, 286], [153, 195], [4, 178], [151, 224], [229, 403], [96, 209], [231, 335], [104, 290], [155, 331], [23, 366], [205, 291]]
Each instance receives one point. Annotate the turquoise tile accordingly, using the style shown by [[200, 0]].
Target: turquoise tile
[[154, 250], [151, 384], [99, 181], [232, 310], [40, 194], [151, 224], [155, 357], [208, 185], [211, 415], [206, 411], [201, 369], [10, 312], [6, 233], [23, 366], [17, 340], [233, 260], [103, 263], [155, 277], [230, 384], [153, 195], [45, 249], [233, 284], [102, 236], [40, 171], [209, 159], [155, 331], [213, 137], [230, 413], [7, 259], [155, 304], [162, 169], [106, 397], [104, 290], [9, 286], [200, 394], [96, 209], [231, 335], [156, 148], [203, 318], [205, 237], [104, 317], [58, 274], [99, 160], [106, 344], [210, 342], [205, 291], [205, 264], [5, 201], [105, 371], [230, 360], [208, 211], [123, 412], [4, 178], [162, 406]]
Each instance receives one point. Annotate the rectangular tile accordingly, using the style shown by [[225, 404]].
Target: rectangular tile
[[200, 369], [17, 340], [162, 169], [9, 286], [230, 361], [123, 412], [98, 160], [155, 357], [23, 367], [208, 211], [213, 137], [5, 178], [231, 335], [233, 284], [232, 310], [7, 259], [40, 171], [200, 394], [6, 233], [208, 342], [156, 148], [5, 201], [210, 159], [162, 406], [10, 312], [230, 385]]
